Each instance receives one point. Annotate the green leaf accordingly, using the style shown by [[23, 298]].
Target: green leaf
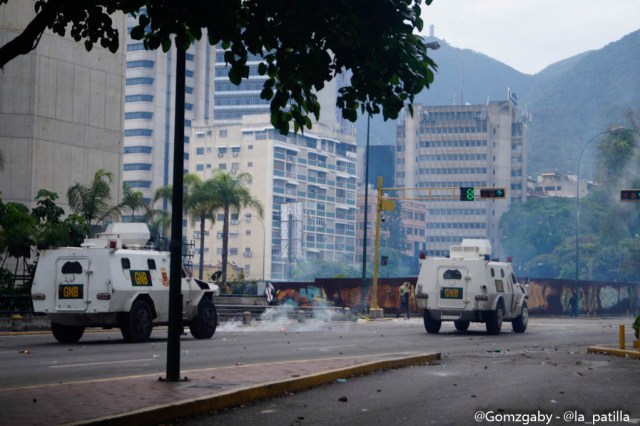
[[166, 45]]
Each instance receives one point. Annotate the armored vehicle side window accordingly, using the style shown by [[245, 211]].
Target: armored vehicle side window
[[452, 274], [151, 263], [513, 278], [72, 268], [499, 286], [493, 273], [126, 264], [502, 272]]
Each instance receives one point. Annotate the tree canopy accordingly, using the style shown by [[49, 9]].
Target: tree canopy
[[300, 45]]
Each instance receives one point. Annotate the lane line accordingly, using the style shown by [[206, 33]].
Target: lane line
[[325, 347], [88, 364]]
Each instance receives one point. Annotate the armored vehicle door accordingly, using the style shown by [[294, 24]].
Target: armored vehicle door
[[452, 285], [72, 284], [504, 287]]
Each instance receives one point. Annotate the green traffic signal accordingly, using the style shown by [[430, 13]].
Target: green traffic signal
[[467, 193]]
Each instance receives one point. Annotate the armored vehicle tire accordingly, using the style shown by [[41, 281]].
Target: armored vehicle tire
[[462, 325], [520, 323], [138, 323], [66, 333], [494, 320], [204, 324], [432, 326]]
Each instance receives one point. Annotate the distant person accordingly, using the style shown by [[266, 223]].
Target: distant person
[[270, 292], [405, 290]]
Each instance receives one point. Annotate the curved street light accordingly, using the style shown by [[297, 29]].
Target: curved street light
[[576, 295]]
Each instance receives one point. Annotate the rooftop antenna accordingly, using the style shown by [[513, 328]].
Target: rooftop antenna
[[462, 89]]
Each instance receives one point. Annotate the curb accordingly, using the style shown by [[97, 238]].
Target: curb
[[613, 351], [233, 398]]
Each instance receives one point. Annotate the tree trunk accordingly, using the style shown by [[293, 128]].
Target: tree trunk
[[225, 243], [201, 247]]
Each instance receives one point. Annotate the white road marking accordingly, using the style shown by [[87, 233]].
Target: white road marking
[[325, 347], [88, 364]]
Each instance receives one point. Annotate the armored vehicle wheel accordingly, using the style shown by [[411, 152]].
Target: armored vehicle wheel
[[494, 320], [431, 325], [66, 333], [462, 325], [204, 324], [137, 325], [520, 323]]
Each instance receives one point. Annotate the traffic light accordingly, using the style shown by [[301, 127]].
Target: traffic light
[[630, 195], [492, 192], [467, 193]]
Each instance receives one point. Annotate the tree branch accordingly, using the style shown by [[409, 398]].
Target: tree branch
[[28, 39]]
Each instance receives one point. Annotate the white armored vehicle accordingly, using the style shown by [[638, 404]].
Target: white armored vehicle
[[114, 281], [469, 287]]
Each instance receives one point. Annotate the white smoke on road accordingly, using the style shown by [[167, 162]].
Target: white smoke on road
[[282, 318]]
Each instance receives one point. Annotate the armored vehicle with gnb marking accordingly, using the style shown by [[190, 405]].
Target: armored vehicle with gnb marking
[[116, 280], [470, 287]]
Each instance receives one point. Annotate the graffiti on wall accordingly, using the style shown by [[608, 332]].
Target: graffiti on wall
[[546, 296], [556, 297]]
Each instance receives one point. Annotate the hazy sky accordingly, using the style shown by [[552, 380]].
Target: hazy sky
[[529, 35]]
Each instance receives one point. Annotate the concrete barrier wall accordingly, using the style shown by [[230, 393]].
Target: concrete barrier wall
[[546, 296]]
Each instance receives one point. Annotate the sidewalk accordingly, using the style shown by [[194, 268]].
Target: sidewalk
[[146, 400]]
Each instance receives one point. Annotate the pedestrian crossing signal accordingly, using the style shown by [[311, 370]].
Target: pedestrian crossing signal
[[492, 193], [467, 193], [630, 195]]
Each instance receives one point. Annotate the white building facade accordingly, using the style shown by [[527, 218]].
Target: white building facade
[[479, 146], [306, 183]]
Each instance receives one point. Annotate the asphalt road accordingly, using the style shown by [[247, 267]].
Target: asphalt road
[[544, 377], [545, 370]]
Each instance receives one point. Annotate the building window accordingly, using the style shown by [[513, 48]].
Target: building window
[[137, 150], [140, 64], [138, 132], [139, 80], [222, 133], [136, 166], [135, 46], [138, 98], [199, 151], [144, 115], [138, 183]]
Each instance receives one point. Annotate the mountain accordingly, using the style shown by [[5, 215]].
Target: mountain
[[570, 101], [574, 100]]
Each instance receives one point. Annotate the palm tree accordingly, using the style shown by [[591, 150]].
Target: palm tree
[[92, 201], [199, 203], [232, 195], [132, 201]]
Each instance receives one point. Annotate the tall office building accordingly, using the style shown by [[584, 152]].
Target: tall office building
[[478, 146], [306, 183], [150, 109], [61, 112]]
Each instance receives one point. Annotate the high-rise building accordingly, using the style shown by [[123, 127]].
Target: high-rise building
[[150, 109], [306, 183], [476, 146], [61, 112]]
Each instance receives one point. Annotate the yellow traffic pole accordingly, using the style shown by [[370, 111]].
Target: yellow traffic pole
[[374, 290], [621, 337]]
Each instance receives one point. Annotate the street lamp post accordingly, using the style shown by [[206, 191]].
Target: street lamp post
[[576, 296]]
